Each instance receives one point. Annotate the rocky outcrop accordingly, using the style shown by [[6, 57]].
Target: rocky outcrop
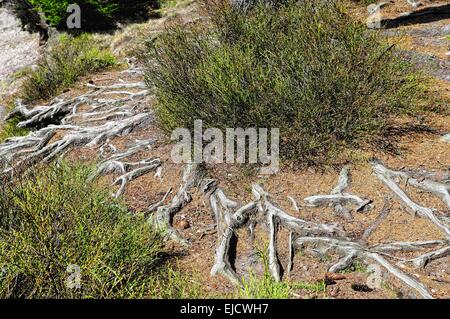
[[18, 49]]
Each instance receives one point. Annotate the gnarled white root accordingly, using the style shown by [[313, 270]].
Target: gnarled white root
[[441, 190], [154, 207], [407, 279], [352, 250], [115, 166], [229, 223], [383, 215], [341, 199], [54, 136], [292, 223], [119, 86], [294, 204], [128, 177], [343, 181], [76, 136], [338, 199], [162, 219], [386, 176], [345, 262], [406, 246], [423, 260], [322, 237], [41, 116], [230, 218], [138, 146], [274, 265]]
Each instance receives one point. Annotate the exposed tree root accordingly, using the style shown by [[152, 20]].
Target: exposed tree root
[[230, 217], [387, 177], [55, 132], [423, 260], [57, 111], [119, 86], [162, 219], [127, 177], [61, 126], [384, 213], [294, 204], [138, 146], [35, 147], [407, 279], [350, 251], [338, 199], [154, 207], [436, 176], [41, 116], [406, 246], [441, 190], [324, 238]]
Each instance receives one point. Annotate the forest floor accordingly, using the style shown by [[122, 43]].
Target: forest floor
[[427, 44]]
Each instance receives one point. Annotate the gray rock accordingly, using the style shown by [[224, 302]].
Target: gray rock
[[446, 138]]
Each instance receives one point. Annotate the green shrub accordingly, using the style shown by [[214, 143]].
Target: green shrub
[[9, 129], [65, 61], [171, 283], [265, 287], [55, 217], [95, 14], [304, 67]]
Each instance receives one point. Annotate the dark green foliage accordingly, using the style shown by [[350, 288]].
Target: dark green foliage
[[9, 128], [95, 14], [304, 67], [54, 218]]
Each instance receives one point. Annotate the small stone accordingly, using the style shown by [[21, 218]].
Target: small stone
[[334, 276], [446, 138], [361, 287], [184, 224], [415, 4]]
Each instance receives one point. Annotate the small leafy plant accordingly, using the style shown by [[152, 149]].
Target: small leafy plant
[[65, 61]]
